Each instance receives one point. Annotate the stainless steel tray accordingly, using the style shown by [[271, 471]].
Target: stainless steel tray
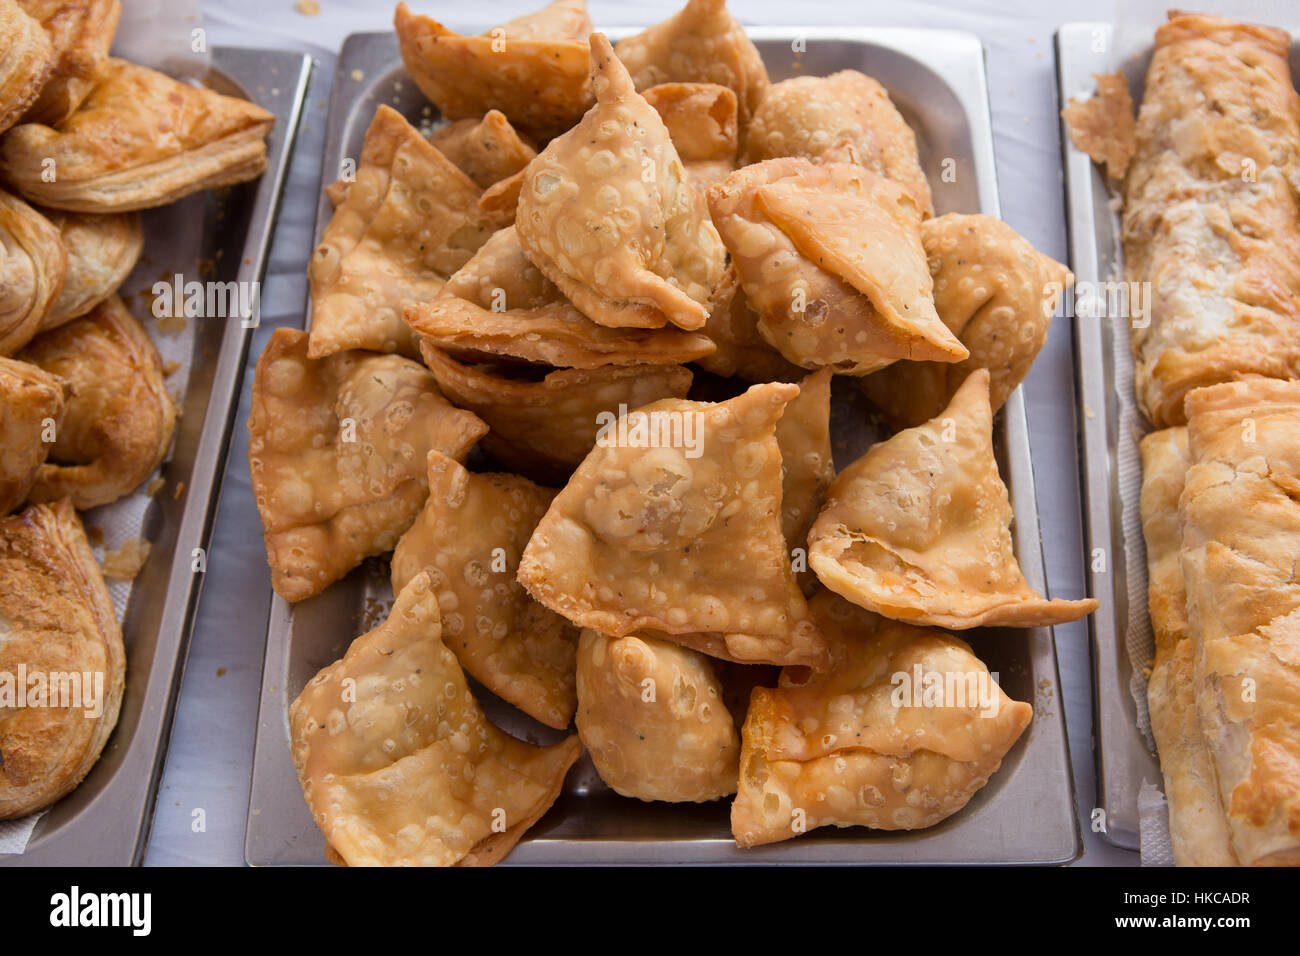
[[1026, 813], [223, 237]]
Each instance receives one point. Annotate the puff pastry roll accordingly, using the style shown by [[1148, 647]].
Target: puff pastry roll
[[997, 293], [32, 403], [58, 618], [652, 716], [486, 150], [27, 63], [119, 421], [701, 121], [533, 68], [855, 747], [102, 251], [469, 538], [33, 269], [337, 448], [606, 212], [919, 528], [1210, 212], [740, 351], [80, 31], [398, 763], [139, 139]]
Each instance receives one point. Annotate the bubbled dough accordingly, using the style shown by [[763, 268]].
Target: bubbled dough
[[701, 121], [486, 150]]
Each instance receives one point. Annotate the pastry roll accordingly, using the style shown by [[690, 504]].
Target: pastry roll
[[607, 214], [701, 121], [80, 31], [652, 716], [119, 421], [139, 139], [28, 61], [397, 761], [486, 150], [1211, 219], [919, 528], [33, 269], [32, 403], [469, 538], [740, 351], [102, 251], [337, 448], [59, 622], [898, 734]]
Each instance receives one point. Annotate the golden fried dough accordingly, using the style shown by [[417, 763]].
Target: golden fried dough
[[739, 350], [701, 121], [33, 269], [486, 150], [80, 31], [32, 403]]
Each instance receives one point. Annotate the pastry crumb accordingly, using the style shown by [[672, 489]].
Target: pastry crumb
[[171, 324], [358, 75], [95, 535], [125, 563], [155, 486], [180, 490], [308, 7], [170, 366]]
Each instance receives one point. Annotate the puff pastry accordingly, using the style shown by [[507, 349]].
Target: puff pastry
[[80, 31], [139, 139], [851, 747], [33, 269], [469, 538], [652, 716], [607, 214], [102, 251], [919, 528], [397, 761], [119, 421], [1103, 125], [32, 403], [533, 68], [337, 448], [58, 621], [26, 64], [701, 121], [487, 150]]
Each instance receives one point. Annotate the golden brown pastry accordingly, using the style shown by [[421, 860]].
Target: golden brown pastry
[[469, 538], [807, 467], [409, 221], [33, 269], [397, 761], [32, 403], [701, 121], [487, 150], [337, 448], [739, 349], [80, 31], [102, 251], [848, 112], [919, 528], [997, 293], [58, 621], [830, 257], [607, 214], [139, 139], [1103, 125], [866, 743], [533, 68], [673, 524], [651, 715], [27, 62], [1211, 215], [119, 421]]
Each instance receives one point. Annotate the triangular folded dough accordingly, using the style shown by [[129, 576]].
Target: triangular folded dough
[[31, 399], [28, 61], [337, 449], [701, 43], [409, 221], [533, 68], [807, 466], [740, 351], [140, 139], [487, 150], [33, 269], [469, 538], [830, 257], [651, 715], [102, 251], [397, 761], [81, 32], [607, 213], [701, 121], [857, 746], [997, 293], [499, 303], [673, 524], [919, 528]]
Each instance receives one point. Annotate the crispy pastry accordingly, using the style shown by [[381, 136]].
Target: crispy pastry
[[409, 221], [701, 43], [606, 212], [1211, 219], [119, 420], [59, 621], [102, 251], [830, 257], [855, 747], [139, 139], [533, 68], [33, 269], [469, 538], [701, 121], [397, 761], [1240, 513], [337, 448], [739, 349], [500, 304], [487, 150], [544, 427], [997, 293], [651, 715], [26, 63], [673, 524], [919, 528], [32, 403], [848, 112], [80, 31], [1103, 125], [807, 467]]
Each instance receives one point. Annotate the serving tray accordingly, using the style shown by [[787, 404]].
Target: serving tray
[[1025, 814]]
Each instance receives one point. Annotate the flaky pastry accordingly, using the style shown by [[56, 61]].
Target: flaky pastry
[[32, 403], [486, 150], [33, 269], [1103, 125], [102, 250], [26, 64], [80, 31]]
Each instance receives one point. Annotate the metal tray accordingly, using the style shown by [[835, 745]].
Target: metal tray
[[223, 237], [1026, 813]]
